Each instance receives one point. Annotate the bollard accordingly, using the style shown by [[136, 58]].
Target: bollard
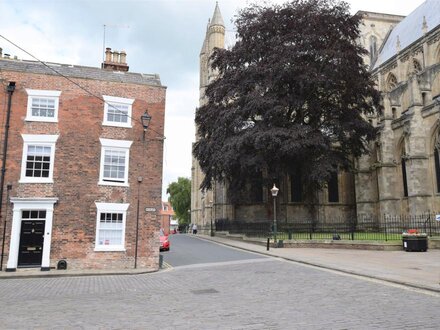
[[160, 261], [268, 242]]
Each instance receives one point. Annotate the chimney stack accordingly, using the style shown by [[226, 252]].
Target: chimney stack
[[108, 55], [115, 61]]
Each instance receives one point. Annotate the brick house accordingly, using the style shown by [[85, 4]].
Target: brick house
[[81, 174], [167, 222]]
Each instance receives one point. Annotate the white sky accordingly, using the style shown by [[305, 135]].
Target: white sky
[[159, 36]]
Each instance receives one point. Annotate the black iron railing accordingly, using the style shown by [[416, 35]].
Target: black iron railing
[[388, 228]]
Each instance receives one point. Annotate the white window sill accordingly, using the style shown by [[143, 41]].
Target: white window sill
[[42, 119], [29, 180], [116, 124], [117, 184], [109, 248]]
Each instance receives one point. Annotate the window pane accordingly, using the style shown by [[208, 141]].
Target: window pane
[[404, 178], [110, 229], [33, 214], [333, 189], [296, 188], [110, 237], [38, 158], [114, 165], [117, 112], [43, 107]]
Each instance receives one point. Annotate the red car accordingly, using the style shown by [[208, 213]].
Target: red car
[[164, 242]]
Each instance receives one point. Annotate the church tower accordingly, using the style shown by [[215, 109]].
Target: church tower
[[203, 203]]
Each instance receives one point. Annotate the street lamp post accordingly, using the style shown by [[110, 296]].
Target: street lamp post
[[274, 192]]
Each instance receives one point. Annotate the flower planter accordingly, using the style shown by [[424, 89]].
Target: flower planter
[[415, 242]]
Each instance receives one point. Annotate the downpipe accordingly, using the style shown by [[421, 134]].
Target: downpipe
[[10, 89]]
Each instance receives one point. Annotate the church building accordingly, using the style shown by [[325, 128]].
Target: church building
[[401, 174]]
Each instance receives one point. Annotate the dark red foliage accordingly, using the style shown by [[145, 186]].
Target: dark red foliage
[[292, 93]]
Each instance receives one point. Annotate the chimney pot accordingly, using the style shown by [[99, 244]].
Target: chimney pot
[[115, 58], [123, 57], [108, 54]]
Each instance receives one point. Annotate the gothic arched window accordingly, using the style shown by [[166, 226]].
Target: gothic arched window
[[437, 162], [333, 188], [437, 168], [391, 82], [296, 187], [404, 177], [417, 67]]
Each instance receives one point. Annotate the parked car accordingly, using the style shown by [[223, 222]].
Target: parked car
[[164, 242]]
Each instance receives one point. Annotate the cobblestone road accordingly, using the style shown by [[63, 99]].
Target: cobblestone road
[[250, 294]]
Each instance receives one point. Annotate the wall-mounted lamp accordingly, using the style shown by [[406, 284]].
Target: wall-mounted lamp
[[145, 120], [11, 87]]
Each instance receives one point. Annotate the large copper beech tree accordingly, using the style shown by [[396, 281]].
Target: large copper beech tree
[[291, 95]]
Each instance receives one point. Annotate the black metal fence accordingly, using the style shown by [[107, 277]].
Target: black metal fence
[[389, 227]]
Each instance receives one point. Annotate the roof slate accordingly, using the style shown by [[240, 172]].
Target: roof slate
[[74, 71], [410, 29]]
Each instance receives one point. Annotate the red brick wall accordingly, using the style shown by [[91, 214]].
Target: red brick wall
[[77, 165]]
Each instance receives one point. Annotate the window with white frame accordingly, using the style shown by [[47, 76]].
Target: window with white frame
[[115, 156], [38, 158], [42, 105], [110, 226], [117, 111]]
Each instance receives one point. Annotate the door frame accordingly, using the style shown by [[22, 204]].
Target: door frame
[[21, 204]]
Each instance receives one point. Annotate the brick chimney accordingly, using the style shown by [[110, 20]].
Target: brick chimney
[[115, 61]]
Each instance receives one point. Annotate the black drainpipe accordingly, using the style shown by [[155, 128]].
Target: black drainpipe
[[10, 89]]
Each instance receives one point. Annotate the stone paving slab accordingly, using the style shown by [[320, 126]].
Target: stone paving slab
[[417, 269]]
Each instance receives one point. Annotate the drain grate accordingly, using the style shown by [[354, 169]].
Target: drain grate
[[204, 291]]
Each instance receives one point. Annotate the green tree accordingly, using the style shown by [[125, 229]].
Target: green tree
[[180, 199], [291, 95]]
